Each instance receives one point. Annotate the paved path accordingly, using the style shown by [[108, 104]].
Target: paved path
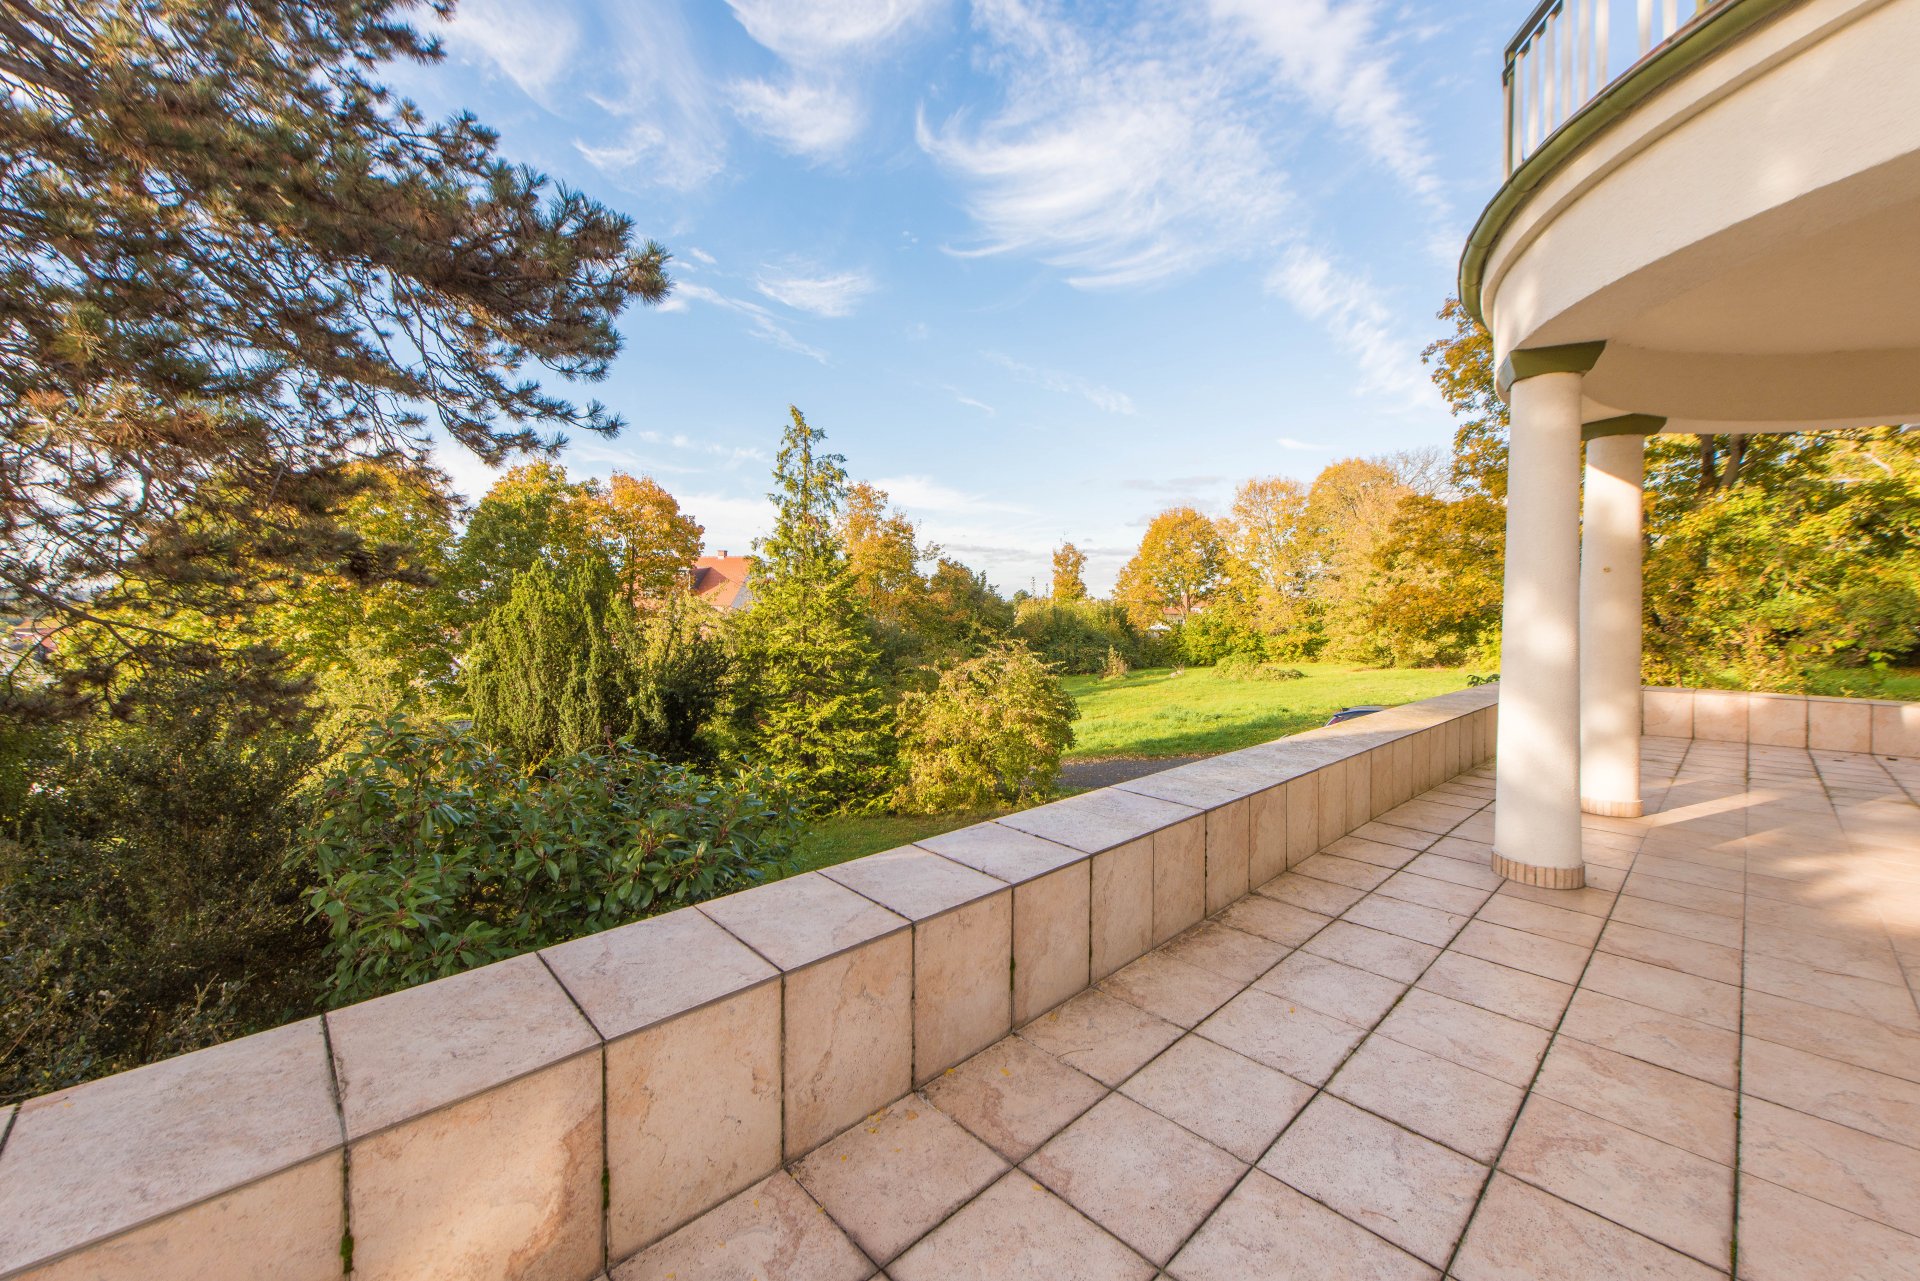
[[1084, 775]]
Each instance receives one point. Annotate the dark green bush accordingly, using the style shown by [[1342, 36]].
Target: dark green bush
[[150, 888], [434, 855], [1074, 636]]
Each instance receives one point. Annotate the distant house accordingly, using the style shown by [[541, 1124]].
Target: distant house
[[721, 581]]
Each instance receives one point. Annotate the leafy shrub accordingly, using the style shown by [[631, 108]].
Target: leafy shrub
[[1247, 667], [150, 886], [1116, 667], [435, 856], [1075, 636], [991, 731], [1207, 638]]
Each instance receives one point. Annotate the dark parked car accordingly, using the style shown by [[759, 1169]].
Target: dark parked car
[[1349, 713]]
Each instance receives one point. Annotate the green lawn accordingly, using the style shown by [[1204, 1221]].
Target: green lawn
[[835, 840], [1155, 713]]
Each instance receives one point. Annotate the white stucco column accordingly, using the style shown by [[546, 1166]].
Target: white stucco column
[[1610, 695], [1536, 829]]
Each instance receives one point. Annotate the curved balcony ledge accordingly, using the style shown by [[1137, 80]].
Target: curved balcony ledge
[[1710, 31]]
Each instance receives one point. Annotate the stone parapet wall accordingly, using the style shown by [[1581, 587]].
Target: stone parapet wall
[[1882, 727], [549, 1115]]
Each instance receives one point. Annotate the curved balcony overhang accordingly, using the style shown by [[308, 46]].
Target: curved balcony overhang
[[1737, 217]]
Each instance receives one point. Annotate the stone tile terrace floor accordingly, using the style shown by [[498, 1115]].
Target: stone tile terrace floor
[[1390, 1063]]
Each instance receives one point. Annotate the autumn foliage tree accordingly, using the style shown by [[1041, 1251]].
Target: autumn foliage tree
[[1176, 569], [1069, 567], [232, 262]]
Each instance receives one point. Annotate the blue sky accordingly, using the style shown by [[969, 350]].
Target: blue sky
[[1039, 269]]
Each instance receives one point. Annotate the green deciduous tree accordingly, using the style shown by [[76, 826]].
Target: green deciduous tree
[[231, 261]]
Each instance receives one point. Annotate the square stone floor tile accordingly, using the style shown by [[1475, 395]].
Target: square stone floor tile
[[1325, 897], [1658, 1190], [1224, 1097], [1266, 1231], [1667, 1040], [1472, 850], [1523, 1234], [1576, 928], [1378, 853], [1014, 1096], [1514, 993], [1440, 868], [1832, 1034], [1590, 901], [772, 1229], [1176, 991], [1351, 995], [1503, 1048], [1136, 1174], [893, 1177], [1517, 949], [1870, 1176], [1101, 1035], [1270, 918], [1410, 887], [1785, 1236], [1872, 1102], [1388, 955], [1881, 1002], [1393, 834], [1285, 1036], [1688, 922], [1640, 884], [1343, 871], [1408, 920], [1660, 988], [1662, 1104], [1018, 1231], [1223, 950], [1656, 947], [1428, 816], [1868, 955], [1391, 1181], [1450, 1104]]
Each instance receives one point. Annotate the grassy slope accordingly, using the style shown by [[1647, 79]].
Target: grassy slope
[[835, 840], [1155, 713]]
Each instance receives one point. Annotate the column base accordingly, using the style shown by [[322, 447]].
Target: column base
[[1547, 878], [1612, 809]]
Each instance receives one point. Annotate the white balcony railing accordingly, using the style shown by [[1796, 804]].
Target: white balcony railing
[[1563, 55]]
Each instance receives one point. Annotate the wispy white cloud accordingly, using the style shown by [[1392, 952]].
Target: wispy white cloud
[[1304, 446], [729, 455], [925, 494], [1334, 56], [701, 256], [530, 43], [814, 30], [830, 294], [964, 399], [1101, 397], [646, 77], [812, 110], [812, 118], [1349, 308], [1121, 156], [761, 322]]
